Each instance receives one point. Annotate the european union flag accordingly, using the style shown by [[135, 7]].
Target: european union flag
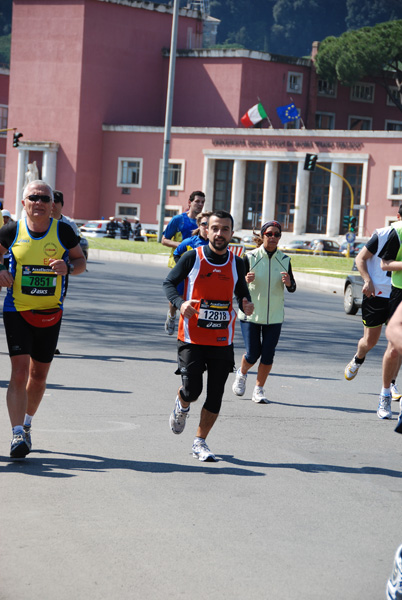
[[287, 113]]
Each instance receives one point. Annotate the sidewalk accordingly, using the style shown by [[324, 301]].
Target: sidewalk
[[332, 285]]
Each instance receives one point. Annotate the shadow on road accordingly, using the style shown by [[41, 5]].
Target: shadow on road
[[62, 465]]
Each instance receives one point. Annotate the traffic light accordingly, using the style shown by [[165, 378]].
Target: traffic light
[[16, 138], [353, 221], [346, 220], [309, 162]]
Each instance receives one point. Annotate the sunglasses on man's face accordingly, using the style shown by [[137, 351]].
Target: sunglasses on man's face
[[37, 197], [271, 233]]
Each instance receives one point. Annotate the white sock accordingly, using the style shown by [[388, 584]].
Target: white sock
[[28, 420], [385, 391], [182, 407]]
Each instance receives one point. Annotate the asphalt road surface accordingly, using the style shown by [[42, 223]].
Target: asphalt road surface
[[302, 504]]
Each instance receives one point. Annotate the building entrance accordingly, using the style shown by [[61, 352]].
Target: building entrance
[[318, 201], [285, 194], [254, 187]]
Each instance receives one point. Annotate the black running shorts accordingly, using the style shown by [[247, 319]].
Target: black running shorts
[[375, 311], [23, 338], [394, 300]]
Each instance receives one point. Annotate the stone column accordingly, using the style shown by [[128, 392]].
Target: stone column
[[208, 182], [238, 187], [269, 193], [23, 156], [335, 200], [49, 167], [301, 199]]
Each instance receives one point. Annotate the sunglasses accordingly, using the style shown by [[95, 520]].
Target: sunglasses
[[271, 234], [204, 224], [37, 197]]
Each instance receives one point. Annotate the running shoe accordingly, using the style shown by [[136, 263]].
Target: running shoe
[[259, 395], [239, 385], [177, 420], [394, 584], [394, 392], [202, 452], [351, 370], [384, 407], [170, 323], [27, 431], [19, 447], [398, 427]]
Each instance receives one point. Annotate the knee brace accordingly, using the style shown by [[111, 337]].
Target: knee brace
[[191, 387]]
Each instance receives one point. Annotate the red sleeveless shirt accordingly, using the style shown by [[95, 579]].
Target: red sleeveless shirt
[[213, 287]]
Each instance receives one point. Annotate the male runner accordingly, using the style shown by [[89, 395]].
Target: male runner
[[212, 274], [42, 252], [391, 256], [375, 309], [177, 230]]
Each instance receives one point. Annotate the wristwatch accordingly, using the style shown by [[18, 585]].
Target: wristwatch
[[70, 268]]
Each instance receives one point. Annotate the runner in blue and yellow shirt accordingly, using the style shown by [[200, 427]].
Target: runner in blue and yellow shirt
[[42, 252]]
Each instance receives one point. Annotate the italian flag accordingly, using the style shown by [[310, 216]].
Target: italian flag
[[254, 115]]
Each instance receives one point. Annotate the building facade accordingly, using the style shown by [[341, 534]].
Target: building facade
[[90, 99]]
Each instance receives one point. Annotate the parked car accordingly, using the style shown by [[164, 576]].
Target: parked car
[[94, 228], [84, 246], [353, 295], [325, 247], [354, 248], [297, 247]]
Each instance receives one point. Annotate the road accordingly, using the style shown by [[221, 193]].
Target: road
[[112, 505]]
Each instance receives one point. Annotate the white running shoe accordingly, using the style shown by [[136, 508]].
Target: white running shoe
[[170, 323], [202, 452], [394, 392], [384, 407], [351, 370], [177, 419], [239, 385], [259, 395]]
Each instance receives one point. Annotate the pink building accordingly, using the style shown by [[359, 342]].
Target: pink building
[[4, 83], [89, 97]]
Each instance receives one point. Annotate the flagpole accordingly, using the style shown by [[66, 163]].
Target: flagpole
[[268, 119], [168, 119], [301, 120]]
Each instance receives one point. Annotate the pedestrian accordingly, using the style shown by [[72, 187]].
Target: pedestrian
[[375, 307], [268, 272], [394, 336], [112, 228], [211, 275], [179, 228], [199, 237], [58, 205], [137, 230], [43, 251], [125, 229], [391, 261], [6, 216]]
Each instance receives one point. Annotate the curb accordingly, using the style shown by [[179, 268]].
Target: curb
[[331, 285]]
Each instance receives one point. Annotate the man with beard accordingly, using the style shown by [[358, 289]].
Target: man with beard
[[211, 275]]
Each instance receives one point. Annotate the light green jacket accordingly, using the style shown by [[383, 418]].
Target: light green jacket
[[267, 289]]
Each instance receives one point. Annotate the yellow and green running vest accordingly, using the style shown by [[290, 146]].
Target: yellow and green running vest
[[396, 276], [36, 287]]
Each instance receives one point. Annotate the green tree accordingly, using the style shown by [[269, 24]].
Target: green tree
[[367, 13], [298, 23], [373, 52]]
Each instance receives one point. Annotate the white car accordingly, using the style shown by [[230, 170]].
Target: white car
[[94, 228]]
